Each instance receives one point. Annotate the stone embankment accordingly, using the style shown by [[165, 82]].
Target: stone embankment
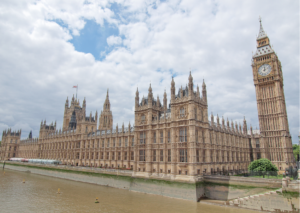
[[214, 187]]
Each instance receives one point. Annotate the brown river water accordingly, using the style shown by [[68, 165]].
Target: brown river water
[[39, 194]]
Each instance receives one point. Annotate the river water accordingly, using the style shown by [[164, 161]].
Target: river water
[[39, 194]]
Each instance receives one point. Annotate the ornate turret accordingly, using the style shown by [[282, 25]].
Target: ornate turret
[[67, 103], [172, 90], [218, 121], [245, 126], [204, 94], [150, 95], [137, 98], [165, 101], [212, 119], [106, 118], [191, 85]]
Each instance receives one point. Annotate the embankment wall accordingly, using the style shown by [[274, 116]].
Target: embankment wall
[[213, 187]]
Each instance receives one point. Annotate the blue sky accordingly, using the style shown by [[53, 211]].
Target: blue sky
[[92, 39], [49, 46]]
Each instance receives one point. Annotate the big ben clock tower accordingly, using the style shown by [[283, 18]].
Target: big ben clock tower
[[275, 139]]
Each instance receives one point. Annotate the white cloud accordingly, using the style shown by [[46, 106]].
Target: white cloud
[[114, 40]]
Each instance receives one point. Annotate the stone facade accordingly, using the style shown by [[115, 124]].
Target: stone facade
[[174, 140]]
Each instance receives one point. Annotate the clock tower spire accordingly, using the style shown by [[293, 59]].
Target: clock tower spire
[[275, 139]]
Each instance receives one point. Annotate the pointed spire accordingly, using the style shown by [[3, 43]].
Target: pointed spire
[[137, 98], [172, 82], [107, 93], [261, 33]]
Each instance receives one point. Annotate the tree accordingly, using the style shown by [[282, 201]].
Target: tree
[[296, 150], [262, 165]]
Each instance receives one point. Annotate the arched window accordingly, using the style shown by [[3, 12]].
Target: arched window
[[182, 112]]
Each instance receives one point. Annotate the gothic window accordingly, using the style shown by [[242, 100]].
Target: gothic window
[[154, 137], [101, 156], [119, 155], [161, 137], [182, 135], [103, 143], [217, 156], [107, 156], [120, 143], [142, 155], [132, 155], [114, 142], [107, 142], [181, 112], [258, 155], [197, 155], [182, 155], [126, 142], [169, 155], [195, 113], [86, 129], [113, 156], [154, 155], [211, 156], [201, 115], [125, 155], [257, 143], [203, 138], [161, 155], [196, 136], [142, 137], [169, 136], [143, 118], [132, 141]]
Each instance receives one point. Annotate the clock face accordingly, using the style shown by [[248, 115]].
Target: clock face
[[264, 70]]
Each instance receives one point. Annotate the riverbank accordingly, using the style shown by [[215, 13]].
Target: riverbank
[[39, 194], [214, 187]]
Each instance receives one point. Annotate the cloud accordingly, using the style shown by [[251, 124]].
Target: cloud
[[157, 40], [114, 40]]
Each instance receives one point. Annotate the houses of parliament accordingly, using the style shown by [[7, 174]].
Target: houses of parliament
[[170, 139]]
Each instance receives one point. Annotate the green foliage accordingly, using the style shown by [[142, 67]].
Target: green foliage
[[262, 165], [295, 150]]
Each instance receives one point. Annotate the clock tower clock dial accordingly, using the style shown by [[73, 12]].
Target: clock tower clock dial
[[264, 70], [275, 140]]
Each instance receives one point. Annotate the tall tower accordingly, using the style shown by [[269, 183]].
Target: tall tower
[[275, 141], [106, 118]]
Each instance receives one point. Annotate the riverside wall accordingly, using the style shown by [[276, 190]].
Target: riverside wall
[[213, 187]]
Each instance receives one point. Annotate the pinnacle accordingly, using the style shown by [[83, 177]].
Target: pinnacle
[[261, 33]]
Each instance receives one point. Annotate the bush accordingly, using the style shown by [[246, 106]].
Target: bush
[[262, 165]]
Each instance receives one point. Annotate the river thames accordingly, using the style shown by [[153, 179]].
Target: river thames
[[39, 194]]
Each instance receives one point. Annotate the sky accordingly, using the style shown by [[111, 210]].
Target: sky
[[48, 46]]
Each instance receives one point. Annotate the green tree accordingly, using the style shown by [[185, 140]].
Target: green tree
[[262, 165], [295, 150]]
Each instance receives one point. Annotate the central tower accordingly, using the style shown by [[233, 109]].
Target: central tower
[[275, 138]]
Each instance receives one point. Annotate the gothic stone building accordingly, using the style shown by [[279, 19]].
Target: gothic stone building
[[174, 139]]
